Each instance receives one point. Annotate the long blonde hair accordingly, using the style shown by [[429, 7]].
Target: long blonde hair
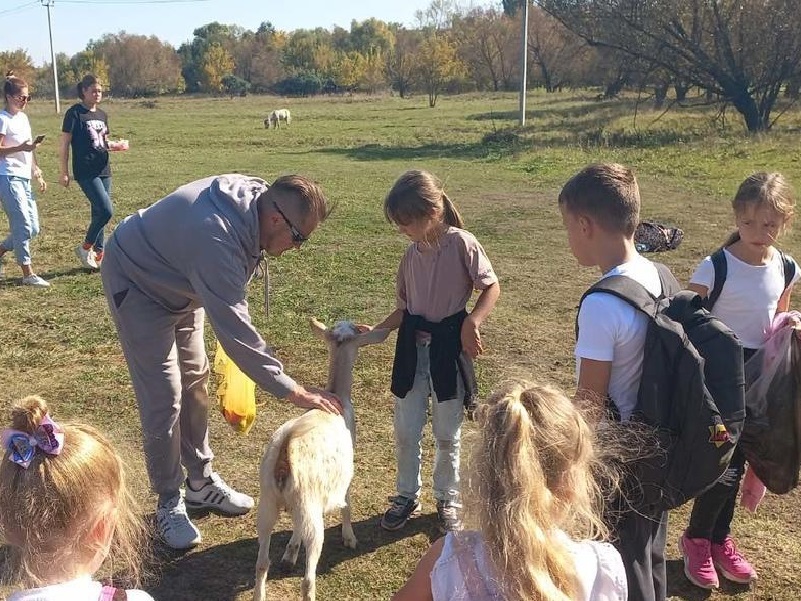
[[763, 189], [417, 195], [532, 474], [49, 510]]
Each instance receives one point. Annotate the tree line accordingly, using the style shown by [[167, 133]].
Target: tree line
[[742, 53]]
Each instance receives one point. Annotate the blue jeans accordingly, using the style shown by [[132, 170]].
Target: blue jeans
[[23, 216], [98, 191], [411, 414]]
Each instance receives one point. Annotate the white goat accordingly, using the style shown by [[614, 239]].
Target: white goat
[[274, 118], [308, 465]]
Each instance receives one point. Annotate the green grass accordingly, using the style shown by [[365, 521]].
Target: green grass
[[60, 342]]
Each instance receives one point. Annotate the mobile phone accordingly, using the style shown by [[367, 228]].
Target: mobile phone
[[39, 139]]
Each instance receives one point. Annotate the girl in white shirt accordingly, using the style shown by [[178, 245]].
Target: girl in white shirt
[[753, 292], [64, 510], [531, 480]]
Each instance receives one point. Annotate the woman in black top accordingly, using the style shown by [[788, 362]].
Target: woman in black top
[[85, 130]]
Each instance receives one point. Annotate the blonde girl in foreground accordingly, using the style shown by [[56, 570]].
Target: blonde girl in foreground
[[531, 482], [64, 509]]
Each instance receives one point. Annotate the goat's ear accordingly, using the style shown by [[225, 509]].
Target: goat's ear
[[374, 336], [318, 328]]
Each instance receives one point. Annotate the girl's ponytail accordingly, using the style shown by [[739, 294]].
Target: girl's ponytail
[[450, 215]]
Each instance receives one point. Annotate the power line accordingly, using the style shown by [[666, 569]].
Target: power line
[[18, 8], [113, 2]]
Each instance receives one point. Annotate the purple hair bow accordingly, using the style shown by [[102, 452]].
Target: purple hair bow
[[48, 436]]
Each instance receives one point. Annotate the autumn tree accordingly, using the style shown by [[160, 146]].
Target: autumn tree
[[744, 51], [401, 65], [487, 42], [555, 51], [21, 63], [437, 64], [137, 65], [215, 64]]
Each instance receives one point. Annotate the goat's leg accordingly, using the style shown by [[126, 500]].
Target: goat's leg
[[348, 537], [290, 557], [265, 522], [313, 533]]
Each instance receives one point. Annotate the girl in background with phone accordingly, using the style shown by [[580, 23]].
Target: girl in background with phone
[[17, 167], [85, 131]]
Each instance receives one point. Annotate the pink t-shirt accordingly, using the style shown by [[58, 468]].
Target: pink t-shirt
[[435, 282]]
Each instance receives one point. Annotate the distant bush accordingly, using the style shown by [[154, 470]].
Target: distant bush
[[305, 84]]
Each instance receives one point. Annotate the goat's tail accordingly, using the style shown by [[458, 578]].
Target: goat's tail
[[282, 468]]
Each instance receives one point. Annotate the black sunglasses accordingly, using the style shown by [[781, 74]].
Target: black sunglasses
[[23, 98], [297, 237]]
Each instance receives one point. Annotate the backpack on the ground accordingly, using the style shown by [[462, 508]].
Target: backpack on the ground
[[721, 269], [691, 392], [650, 236]]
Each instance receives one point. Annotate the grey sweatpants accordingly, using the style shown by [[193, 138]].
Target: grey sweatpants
[[169, 369]]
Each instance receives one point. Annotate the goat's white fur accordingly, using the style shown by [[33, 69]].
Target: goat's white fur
[[274, 119], [308, 465]]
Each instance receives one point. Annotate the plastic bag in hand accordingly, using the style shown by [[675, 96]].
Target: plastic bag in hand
[[236, 393]]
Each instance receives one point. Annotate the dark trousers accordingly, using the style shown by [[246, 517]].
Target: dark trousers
[[640, 540], [713, 511]]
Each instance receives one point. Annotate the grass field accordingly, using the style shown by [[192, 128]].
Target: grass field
[[60, 342]]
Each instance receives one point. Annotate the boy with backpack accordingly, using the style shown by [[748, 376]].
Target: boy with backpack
[[649, 353], [600, 209]]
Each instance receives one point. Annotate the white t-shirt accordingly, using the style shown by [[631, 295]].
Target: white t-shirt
[[80, 589], [463, 572], [749, 297], [16, 130], [609, 329]]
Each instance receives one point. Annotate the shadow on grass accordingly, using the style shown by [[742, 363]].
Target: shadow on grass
[[14, 282], [470, 151], [223, 572]]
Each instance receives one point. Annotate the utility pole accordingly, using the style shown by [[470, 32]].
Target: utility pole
[[523, 63], [48, 4]]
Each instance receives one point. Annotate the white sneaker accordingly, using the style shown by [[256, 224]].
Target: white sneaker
[[86, 257], [216, 494], [174, 525], [35, 280]]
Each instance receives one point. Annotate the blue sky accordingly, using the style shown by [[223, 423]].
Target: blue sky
[[75, 22]]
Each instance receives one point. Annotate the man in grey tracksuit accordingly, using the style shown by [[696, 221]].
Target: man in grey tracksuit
[[192, 254]]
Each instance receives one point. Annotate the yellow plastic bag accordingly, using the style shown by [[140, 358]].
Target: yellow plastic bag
[[236, 393]]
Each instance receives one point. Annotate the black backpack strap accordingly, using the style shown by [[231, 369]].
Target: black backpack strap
[[625, 289], [720, 268], [789, 269]]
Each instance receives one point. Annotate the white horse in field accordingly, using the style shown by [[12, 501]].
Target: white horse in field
[[274, 119]]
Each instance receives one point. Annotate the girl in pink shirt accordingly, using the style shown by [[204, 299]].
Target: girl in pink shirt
[[437, 339]]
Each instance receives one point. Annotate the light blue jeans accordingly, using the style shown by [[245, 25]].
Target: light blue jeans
[[411, 415], [23, 216]]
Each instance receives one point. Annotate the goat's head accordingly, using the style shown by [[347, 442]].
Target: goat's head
[[346, 333]]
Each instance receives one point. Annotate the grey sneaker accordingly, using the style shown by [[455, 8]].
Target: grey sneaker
[[35, 280], [86, 257], [174, 526], [399, 512], [448, 517], [216, 494]]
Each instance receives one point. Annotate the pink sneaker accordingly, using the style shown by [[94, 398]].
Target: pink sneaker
[[698, 565], [731, 563]]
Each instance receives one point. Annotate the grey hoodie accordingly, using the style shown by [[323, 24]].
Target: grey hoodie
[[198, 247]]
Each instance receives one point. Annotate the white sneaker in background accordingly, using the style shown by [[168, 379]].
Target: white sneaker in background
[[35, 280]]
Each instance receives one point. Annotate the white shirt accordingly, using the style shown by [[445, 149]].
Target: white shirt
[[609, 329], [80, 589], [16, 130], [463, 572], [749, 297]]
